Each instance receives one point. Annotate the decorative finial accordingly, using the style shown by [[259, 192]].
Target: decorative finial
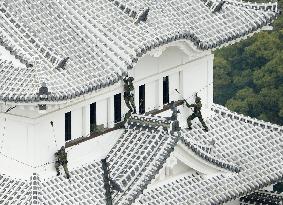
[[143, 16], [62, 63]]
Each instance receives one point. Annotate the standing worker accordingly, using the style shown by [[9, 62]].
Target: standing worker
[[61, 159], [129, 94], [197, 113]]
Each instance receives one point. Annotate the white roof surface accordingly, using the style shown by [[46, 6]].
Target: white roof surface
[[250, 149], [103, 41]]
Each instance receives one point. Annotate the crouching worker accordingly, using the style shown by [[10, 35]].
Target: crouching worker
[[61, 159]]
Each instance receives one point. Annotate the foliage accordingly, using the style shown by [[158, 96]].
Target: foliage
[[248, 76]]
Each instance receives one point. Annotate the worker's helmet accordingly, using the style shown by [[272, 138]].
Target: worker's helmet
[[198, 99]]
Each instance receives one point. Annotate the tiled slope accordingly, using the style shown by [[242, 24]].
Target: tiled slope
[[102, 40], [139, 155], [262, 197], [240, 142], [256, 147], [84, 187], [13, 191]]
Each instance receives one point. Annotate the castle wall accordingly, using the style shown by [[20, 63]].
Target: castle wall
[[35, 140], [17, 139]]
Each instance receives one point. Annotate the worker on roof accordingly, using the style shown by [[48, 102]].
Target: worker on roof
[[61, 159], [196, 113], [129, 94]]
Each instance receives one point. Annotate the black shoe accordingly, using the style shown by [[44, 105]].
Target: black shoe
[[189, 128], [58, 173], [68, 176]]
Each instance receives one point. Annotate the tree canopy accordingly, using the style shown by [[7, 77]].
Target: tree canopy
[[248, 76]]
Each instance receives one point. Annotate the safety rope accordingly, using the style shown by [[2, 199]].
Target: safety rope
[[54, 137]]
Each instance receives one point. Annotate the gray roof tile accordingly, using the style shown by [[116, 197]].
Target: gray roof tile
[[139, 154], [102, 40]]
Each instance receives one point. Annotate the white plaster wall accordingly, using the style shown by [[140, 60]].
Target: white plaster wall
[[170, 58], [167, 174], [85, 153], [76, 123], [35, 141], [86, 121], [197, 77], [145, 67], [150, 96], [174, 84], [16, 140], [49, 139], [101, 112], [194, 79]]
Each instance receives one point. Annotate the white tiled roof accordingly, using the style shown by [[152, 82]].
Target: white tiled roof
[[255, 147], [139, 155], [262, 197], [84, 187], [14, 191], [205, 154], [102, 40]]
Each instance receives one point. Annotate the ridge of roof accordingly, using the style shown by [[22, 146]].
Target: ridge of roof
[[147, 146], [140, 153], [270, 6], [256, 148], [148, 121], [35, 192], [103, 44], [263, 197], [210, 158], [225, 112]]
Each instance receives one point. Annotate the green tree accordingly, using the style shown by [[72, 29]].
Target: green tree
[[248, 76]]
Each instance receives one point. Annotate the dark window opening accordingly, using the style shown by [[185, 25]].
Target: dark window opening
[[117, 108], [68, 126], [92, 116], [142, 99], [165, 90]]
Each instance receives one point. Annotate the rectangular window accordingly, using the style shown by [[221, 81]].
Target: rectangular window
[[68, 126], [165, 90], [117, 108], [142, 99], [92, 116]]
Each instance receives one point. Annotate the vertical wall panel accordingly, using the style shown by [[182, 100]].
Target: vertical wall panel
[[101, 112], [76, 123], [174, 84], [150, 96]]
